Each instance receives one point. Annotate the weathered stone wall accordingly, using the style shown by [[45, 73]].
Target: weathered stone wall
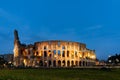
[[52, 53], [62, 54]]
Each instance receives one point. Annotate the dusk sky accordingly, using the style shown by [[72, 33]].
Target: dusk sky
[[93, 22]]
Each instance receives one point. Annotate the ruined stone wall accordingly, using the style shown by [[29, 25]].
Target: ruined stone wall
[[56, 53], [52, 53], [64, 53]]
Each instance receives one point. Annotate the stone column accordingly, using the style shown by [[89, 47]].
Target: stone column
[[43, 55], [70, 56], [61, 54], [47, 59], [81, 63], [66, 63], [52, 58]]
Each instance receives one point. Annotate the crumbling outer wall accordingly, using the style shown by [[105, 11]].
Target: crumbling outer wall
[[77, 51], [55, 53]]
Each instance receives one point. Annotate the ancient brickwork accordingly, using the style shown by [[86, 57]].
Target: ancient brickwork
[[53, 53]]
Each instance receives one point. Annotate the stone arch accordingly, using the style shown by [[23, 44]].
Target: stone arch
[[49, 63], [49, 52], [45, 63], [41, 63], [63, 53], [76, 63], [72, 63], [63, 62], [45, 47], [59, 54], [54, 63], [59, 63], [63, 47], [68, 53], [68, 63], [45, 53], [80, 63], [84, 63]]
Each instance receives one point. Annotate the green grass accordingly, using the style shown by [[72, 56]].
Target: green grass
[[59, 74]]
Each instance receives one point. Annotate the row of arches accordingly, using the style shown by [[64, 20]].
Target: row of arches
[[59, 53], [64, 63]]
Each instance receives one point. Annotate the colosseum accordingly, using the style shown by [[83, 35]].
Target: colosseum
[[52, 53]]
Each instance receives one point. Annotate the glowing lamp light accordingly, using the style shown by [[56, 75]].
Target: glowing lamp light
[[55, 56], [45, 61], [25, 62], [40, 54], [80, 55], [110, 61], [93, 57]]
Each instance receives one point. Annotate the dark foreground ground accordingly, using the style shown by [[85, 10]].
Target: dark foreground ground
[[60, 74]]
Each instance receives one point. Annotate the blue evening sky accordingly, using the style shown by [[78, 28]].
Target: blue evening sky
[[94, 22]]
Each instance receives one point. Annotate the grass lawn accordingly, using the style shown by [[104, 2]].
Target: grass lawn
[[59, 74]]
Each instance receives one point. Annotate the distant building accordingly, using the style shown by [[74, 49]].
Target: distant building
[[7, 57], [52, 53]]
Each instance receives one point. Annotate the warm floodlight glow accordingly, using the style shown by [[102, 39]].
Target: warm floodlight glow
[[25, 62], [52, 53], [55, 56], [93, 57]]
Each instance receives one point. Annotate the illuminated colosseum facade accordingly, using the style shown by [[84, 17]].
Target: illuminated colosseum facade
[[52, 53]]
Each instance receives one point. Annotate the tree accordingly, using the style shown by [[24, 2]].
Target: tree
[[2, 62]]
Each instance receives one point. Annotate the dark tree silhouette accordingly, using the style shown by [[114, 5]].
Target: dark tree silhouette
[[115, 59], [2, 62]]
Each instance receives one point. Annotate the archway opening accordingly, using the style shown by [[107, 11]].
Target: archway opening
[[63, 63], [72, 63], [83, 63], [45, 53], [54, 63], [49, 63], [59, 63], [79, 63], [45, 63], [41, 63], [68, 63], [76, 63]]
